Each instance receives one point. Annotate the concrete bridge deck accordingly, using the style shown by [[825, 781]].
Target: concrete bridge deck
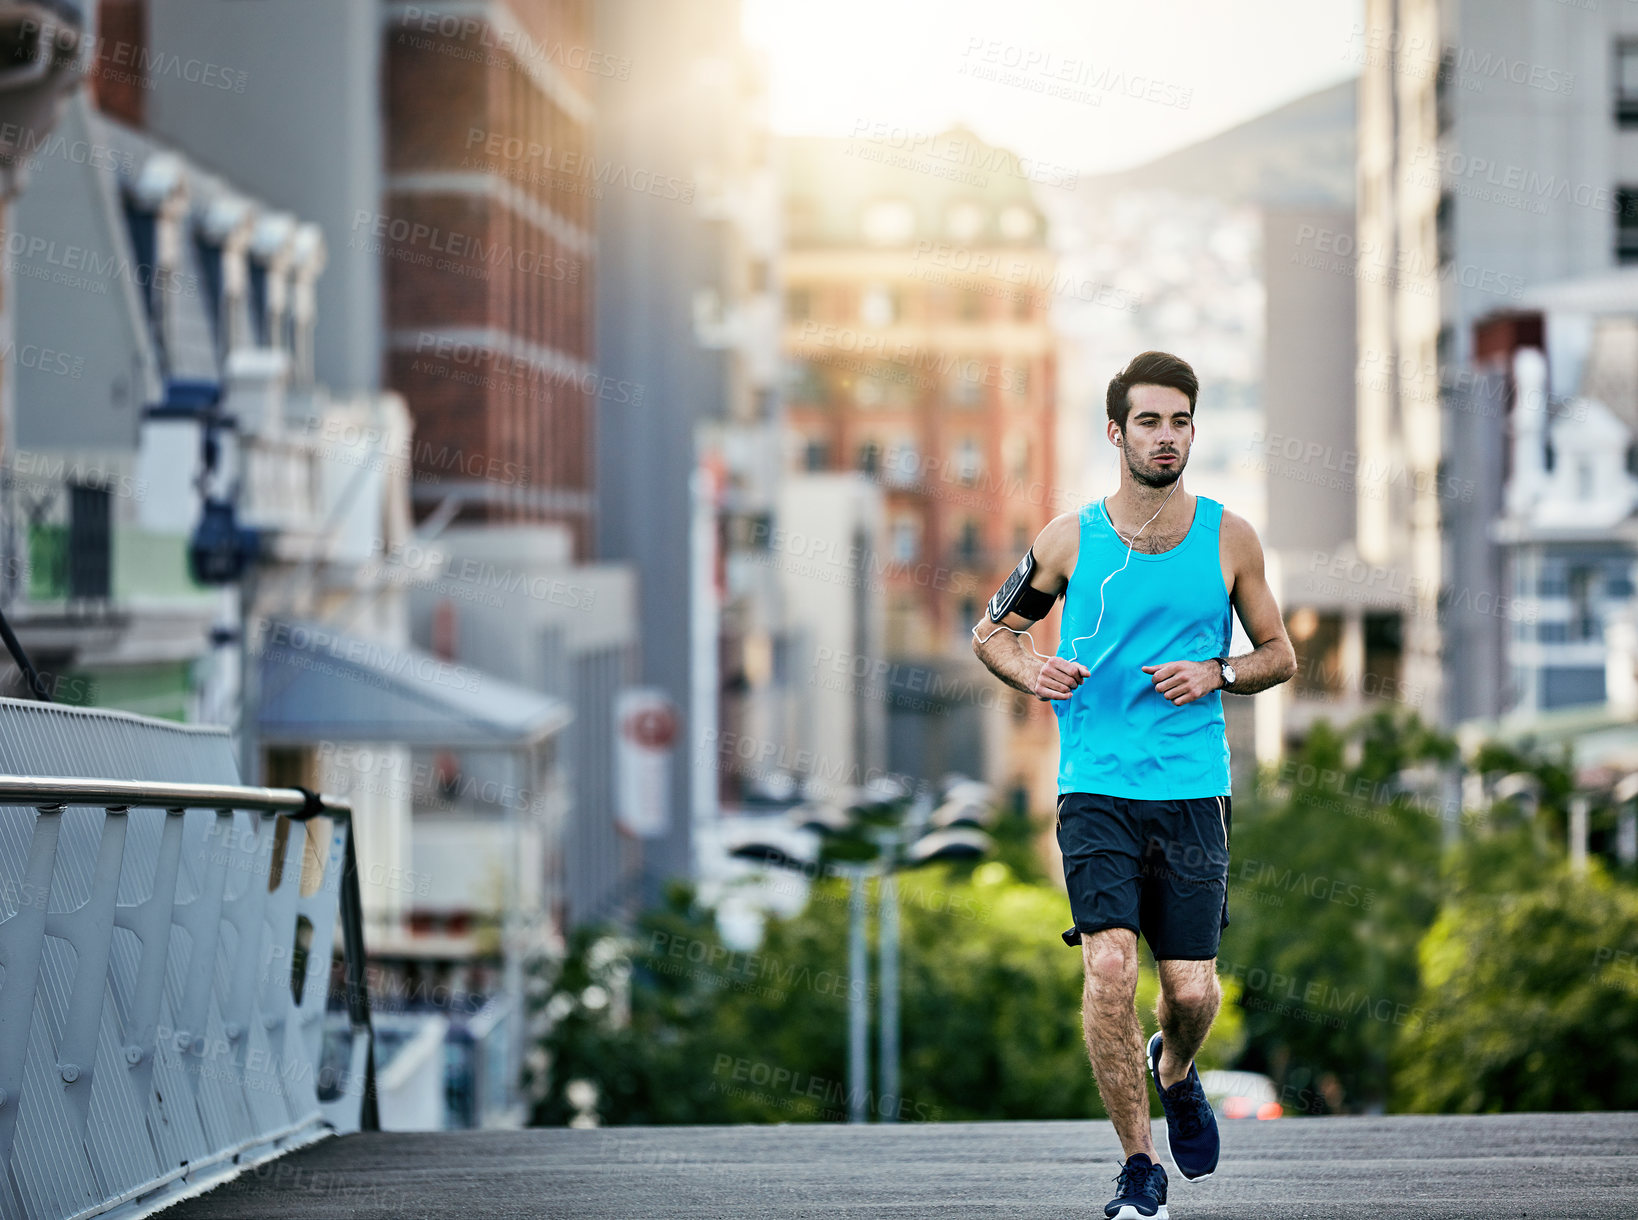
[[1530, 1167]]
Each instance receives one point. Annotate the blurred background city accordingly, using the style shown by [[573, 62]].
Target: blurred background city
[[581, 434]]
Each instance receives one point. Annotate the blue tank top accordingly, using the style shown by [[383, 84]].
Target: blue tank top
[[1117, 735]]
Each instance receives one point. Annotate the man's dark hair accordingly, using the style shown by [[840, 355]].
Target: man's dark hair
[[1149, 368]]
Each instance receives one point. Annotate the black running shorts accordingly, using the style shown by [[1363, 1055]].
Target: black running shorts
[[1159, 868]]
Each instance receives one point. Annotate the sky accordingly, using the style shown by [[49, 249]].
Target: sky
[[1090, 85]]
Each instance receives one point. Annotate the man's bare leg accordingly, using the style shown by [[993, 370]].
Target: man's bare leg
[[1114, 1038], [1189, 998]]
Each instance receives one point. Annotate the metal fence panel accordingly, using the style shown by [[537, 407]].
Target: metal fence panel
[[163, 971]]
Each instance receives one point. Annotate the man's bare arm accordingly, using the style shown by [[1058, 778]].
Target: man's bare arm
[[1009, 656], [1271, 662]]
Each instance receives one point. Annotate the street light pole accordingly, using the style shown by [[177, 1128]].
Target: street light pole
[[888, 916], [858, 999]]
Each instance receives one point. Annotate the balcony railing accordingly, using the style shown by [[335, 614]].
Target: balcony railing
[[167, 966]]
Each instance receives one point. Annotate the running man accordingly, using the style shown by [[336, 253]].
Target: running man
[[1148, 576]]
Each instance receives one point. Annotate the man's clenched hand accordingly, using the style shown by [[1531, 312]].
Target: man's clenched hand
[[1185, 681], [1059, 678]]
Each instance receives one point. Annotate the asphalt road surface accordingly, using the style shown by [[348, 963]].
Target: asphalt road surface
[[1529, 1166]]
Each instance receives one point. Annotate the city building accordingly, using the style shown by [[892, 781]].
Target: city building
[[920, 352], [1495, 156], [454, 242], [688, 455]]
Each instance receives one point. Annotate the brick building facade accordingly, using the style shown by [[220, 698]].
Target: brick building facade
[[486, 234]]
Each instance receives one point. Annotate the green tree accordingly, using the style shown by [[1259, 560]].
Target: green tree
[[667, 1025], [1333, 882], [1529, 996]]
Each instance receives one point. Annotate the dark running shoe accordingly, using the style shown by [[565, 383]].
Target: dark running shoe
[[1140, 1191], [1191, 1127]]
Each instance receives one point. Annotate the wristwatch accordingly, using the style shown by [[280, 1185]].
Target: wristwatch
[[1228, 671]]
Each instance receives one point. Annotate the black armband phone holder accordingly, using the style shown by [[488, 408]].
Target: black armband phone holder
[[1017, 596]]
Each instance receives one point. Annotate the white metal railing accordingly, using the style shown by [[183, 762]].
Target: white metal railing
[[167, 955]]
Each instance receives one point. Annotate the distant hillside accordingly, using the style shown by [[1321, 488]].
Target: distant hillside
[[1301, 153]]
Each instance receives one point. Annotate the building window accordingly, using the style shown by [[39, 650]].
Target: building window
[[888, 222], [906, 539], [967, 460], [1384, 647], [1017, 223], [964, 221], [803, 384], [1626, 82], [1584, 622], [1015, 454], [815, 455], [965, 391], [870, 458], [1626, 224], [1444, 115], [90, 542], [967, 545], [1618, 580], [902, 464], [799, 304], [879, 306], [1444, 229]]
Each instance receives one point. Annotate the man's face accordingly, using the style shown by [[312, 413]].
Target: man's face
[[1159, 431]]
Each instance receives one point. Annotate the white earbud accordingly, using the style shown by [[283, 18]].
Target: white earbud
[[1101, 588]]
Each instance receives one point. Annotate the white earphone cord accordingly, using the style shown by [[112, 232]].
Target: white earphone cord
[[1073, 651]]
